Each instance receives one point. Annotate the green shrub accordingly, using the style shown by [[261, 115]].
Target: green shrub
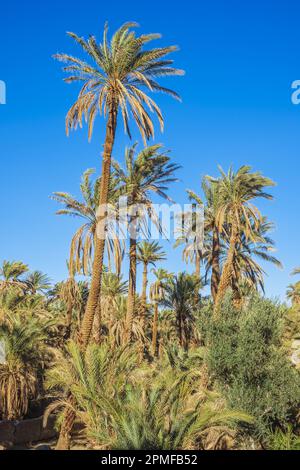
[[249, 365]]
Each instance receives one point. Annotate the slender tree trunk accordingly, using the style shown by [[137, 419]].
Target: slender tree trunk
[[64, 440], [228, 270], [179, 326], [237, 299], [132, 281], [144, 293], [198, 275], [215, 276], [69, 320], [197, 266], [154, 329], [98, 323], [95, 288]]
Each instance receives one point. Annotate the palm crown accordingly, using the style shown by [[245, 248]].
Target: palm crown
[[120, 70]]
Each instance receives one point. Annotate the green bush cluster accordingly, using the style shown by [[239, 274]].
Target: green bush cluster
[[249, 365]]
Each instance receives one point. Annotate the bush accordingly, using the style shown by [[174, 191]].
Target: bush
[[249, 365]]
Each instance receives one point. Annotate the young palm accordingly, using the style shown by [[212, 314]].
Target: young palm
[[12, 275], [37, 282], [247, 271], [148, 253], [83, 241], [179, 296], [113, 287], [156, 295], [213, 200], [150, 172], [293, 293], [237, 214], [113, 83], [191, 236]]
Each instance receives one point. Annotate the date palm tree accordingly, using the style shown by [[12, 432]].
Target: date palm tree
[[37, 282], [83, 241], [149, 172], [113, 83], [156, 296], [12, 275], [293, 291], [248, 274], [148, 253], [237, 214], [179, 297]]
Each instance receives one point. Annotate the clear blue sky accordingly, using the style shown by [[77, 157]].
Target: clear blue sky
[[240, 60]]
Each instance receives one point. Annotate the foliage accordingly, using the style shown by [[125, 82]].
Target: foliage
[[125, 407], [248, 364], [25, 349]]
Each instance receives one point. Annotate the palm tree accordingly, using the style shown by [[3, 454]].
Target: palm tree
[[293, 293], [179, 297], [156, 295], [114, 83], [24, 341], [83, 241], [237, 214], [189, 235], [12, 275], [149, 172], [212, 255], [37, 282], [113, 287], [148, 253], [247, 271]]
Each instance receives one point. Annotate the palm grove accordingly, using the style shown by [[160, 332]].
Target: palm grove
[[193, 361]]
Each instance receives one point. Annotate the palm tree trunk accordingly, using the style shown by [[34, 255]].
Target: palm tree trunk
[[197, 274], [154, 329], [197, 265], [69, 320], [97, 323], [215, 276], [132, 282], [64, 440], [144, 293], [228, 270], [95, 288]]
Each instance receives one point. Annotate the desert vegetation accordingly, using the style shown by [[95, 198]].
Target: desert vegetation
[[200, 359]]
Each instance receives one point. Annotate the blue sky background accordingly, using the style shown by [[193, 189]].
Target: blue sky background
[[240, 60]]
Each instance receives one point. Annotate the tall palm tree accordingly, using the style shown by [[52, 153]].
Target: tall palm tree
[[150, 171], [121, 69], [148, 253], [84, 239], [113, 83], [156, 295], [237, 214]]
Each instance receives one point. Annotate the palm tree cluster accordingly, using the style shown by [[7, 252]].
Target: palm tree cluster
[[132, 366]]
